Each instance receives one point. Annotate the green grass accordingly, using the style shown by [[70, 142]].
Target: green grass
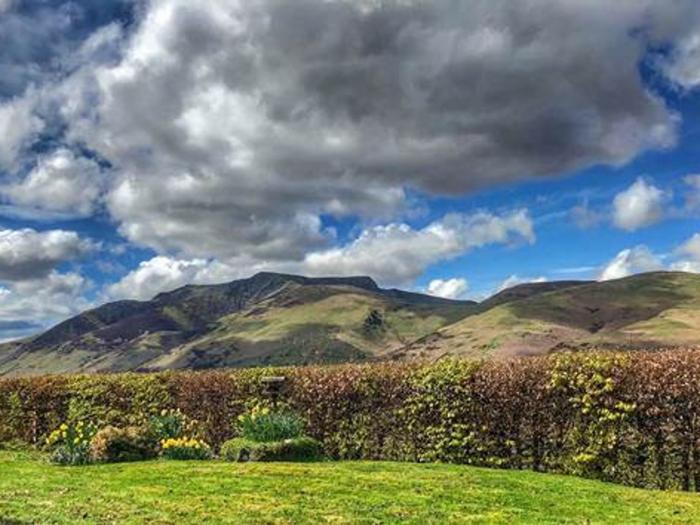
[[345, 312], [154, 492]]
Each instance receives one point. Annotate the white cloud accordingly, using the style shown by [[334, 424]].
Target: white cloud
[[29, 254], [686, 265], [514, 280], [393, 254], [60, 182], [630, 261], [162, 273], [688, 255], [640, 205], [691, 247], [683, 64], [38, 303], [685, 258], [454, 288], [19, 126], [396, 254], [233, 126]]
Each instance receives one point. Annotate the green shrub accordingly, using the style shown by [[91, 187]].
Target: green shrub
[[185, 448], [113, 444], [69, 444], [172, 423], [296, 449], [263, 424]]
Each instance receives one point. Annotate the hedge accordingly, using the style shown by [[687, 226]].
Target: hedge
[[632, 418]]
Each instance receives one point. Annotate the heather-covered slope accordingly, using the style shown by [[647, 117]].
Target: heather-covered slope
[[266, 319], [276, 319], [646, 311]]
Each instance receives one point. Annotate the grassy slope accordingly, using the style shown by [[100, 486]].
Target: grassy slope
[[655, 309], [296, 325], [323, 324], [349, 492], [498, 331], [287, 333]]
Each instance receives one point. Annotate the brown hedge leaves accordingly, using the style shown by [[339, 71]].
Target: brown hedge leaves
[[631, 418]]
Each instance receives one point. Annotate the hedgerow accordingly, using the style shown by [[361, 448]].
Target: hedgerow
[[632, 418]]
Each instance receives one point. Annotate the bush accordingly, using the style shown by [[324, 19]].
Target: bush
[[69, 444], [171, 423], [185, 448], [112, 444], [296, 449], [263, 424], [625, 417]]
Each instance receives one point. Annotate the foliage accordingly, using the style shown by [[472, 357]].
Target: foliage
[[373, 323], [113, 444], [265, 424], [296, 449], [69, 444], [171, 423], [590, 384], [185, 448], [632, 418], [439, 414]]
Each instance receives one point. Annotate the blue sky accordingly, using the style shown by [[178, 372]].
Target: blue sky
[[451, 148]]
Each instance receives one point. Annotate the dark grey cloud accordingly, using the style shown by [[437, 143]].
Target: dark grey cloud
[[17, 329], [233, 126], [17, 325], [38, 37]]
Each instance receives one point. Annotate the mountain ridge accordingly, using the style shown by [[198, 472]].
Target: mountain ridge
[[278, 319], [186, 317], [645, 311]]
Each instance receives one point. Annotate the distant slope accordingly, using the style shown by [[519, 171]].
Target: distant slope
[[526, 290], [653, 310], [267, 319]]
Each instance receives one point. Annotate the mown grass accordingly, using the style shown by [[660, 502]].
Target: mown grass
[[154, 492]]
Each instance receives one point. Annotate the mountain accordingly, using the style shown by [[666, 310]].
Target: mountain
[[269, 318], [645, 311], [278, 319]]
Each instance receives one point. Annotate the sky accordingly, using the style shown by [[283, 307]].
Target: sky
[[449, 147]]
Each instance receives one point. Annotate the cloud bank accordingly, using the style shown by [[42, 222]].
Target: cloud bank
[[228, 136], [233, 127]]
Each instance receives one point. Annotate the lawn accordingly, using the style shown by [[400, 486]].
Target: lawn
[[32, 491]]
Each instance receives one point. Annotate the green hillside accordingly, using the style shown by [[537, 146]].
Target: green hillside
[[276, 319], [266, 319], [646, 311]]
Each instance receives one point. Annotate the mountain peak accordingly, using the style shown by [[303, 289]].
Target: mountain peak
[[358, 281]]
